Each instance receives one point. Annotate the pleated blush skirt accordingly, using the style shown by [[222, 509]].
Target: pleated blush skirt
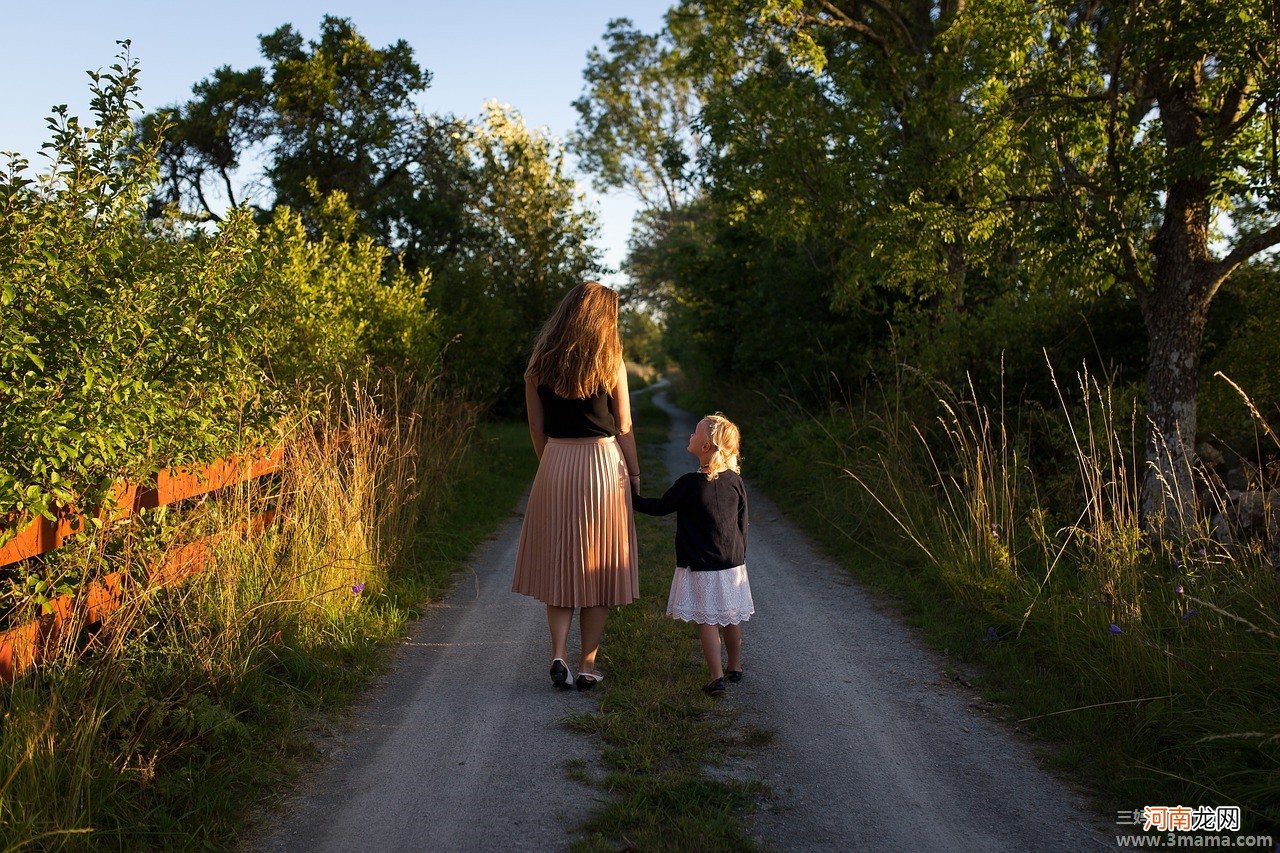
[[578, 543]]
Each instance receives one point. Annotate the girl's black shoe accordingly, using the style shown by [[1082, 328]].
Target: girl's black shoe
[[715, 688], [559, 674], [586, 681], [735, 675]]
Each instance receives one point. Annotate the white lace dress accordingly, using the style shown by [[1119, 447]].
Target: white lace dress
[[718, 597]]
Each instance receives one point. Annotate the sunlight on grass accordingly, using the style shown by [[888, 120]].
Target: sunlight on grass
[[658, 730], [192, 701]]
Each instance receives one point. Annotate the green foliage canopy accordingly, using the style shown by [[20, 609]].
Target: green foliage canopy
[[529, 242]]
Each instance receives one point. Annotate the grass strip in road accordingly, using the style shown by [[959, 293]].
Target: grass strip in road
[[658, 730]]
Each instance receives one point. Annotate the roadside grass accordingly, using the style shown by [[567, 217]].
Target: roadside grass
[[192, 705], [658, 729], [1130, 658]]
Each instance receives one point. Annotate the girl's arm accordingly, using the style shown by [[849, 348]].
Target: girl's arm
[[622, 413], [742, 513], [533, 408], [665, 505]]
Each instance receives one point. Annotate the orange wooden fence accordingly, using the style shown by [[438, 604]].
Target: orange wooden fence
[[23, 645]]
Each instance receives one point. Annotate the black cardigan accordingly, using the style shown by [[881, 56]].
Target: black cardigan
[[711, 519]]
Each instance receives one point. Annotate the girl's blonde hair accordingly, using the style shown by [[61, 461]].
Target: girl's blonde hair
[[578, 352], [726, 439]]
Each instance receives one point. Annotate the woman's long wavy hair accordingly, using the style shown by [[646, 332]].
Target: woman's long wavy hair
[[578, 351]]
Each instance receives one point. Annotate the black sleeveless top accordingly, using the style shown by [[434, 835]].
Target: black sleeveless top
[[591, 417]]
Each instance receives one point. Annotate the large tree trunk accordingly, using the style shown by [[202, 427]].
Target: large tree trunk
[[1175, 321], [1174, 310]]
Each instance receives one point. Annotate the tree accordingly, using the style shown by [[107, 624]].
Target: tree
[[940, 146], [330, 115], [1159, 120], [528, 241], [861, 126], [636, 127]]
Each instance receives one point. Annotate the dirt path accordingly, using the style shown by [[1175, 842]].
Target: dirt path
[[874, 747], [460, 747]]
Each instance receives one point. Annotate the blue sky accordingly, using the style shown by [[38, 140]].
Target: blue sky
[[527, 54]]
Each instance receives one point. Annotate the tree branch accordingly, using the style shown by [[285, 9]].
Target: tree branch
[[199, 188], [1243, 117], [1246, 249], [895, 21], [226, 180], [1132, 272], [1233, 101], [848, 23], [1073, 176]]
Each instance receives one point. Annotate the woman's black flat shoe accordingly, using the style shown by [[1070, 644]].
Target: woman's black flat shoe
[[560, 674], [735, 675], [715, 688], [587, 681]]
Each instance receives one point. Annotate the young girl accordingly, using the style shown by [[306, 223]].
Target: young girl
[[710, 584]]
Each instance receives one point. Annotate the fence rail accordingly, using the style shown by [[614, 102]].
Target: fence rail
[[23, 645], [172, 485]]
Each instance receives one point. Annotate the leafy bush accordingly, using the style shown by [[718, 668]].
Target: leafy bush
[[341, 297], [1243, 343], [129, 344], [124, 344]]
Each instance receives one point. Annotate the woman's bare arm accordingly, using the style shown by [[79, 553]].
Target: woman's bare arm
[[622, 411], [533, 408]]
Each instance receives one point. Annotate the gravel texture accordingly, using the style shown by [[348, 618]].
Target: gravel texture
[[874, 747], [461, 746]]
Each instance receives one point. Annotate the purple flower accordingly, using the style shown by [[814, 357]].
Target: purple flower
[[995, 529], [357, 588], [1115, 629], [991, 636], [1179, 589]]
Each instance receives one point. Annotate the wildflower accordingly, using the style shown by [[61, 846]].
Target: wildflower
[[991, 635], [1180, 590], [1116, 629], [357, 588], [1191, 611], [995, 529]]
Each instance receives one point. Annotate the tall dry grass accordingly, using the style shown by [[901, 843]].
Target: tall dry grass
[[152, 732], [1013, 539], [1169, 644]]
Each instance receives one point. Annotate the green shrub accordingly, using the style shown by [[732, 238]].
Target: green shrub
[[342, 299], [124, 344], [1243, 343], [129, 344]]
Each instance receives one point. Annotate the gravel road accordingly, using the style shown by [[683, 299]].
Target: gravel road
[[460, 747], [874, 747]]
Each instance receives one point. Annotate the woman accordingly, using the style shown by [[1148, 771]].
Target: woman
[[578, 544]]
